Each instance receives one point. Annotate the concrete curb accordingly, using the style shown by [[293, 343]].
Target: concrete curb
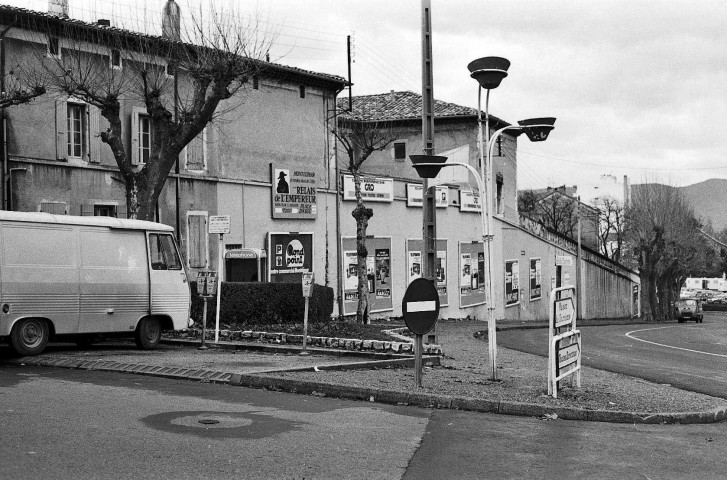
[[419, 399]]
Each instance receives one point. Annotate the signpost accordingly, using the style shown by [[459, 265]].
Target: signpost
[[420, 308], [219, 224], [564, 340], [206, 287], [307, 280]]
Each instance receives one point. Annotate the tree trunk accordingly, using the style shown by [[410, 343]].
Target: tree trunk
[[362, 216]]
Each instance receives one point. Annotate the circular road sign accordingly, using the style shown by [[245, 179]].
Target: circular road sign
[[420, 306]]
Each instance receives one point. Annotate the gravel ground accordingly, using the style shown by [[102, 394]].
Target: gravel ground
[[464, 371]]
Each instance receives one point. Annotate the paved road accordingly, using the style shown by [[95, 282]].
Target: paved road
[[690, 356], [60, 423]]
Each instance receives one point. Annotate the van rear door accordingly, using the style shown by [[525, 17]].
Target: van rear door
[[170, 295]]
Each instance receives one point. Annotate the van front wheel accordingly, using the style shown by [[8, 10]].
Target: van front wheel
[[29, 336], [148, 333]]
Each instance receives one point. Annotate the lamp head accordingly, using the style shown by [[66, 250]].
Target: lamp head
[[537, 129], [489, 71], [427, 171]]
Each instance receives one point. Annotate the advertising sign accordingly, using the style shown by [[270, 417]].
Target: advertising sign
[[512, 282], [535, 279], [471, 274], [378, 274], [414, 248], [293, 193], [372, 189], [219, 224], [291, 254], [469, 201], [415, 191]]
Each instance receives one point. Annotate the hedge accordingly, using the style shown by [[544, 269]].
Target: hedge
[[265, 304]]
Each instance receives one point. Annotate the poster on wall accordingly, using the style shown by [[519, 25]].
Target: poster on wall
[[293, 193], [469, 201], [512, 282], [372, 189], [535, 279], [378, 274], [291, 254], [414, 195], [471, 274], [414, 248]]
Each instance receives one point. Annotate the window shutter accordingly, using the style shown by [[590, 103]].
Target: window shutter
[[135, 112], [94, 134], [121, 211], [61, 129], [87, 210], [197, 241]]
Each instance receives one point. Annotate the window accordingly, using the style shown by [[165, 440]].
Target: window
[[104, 210], [54, 47], [56, 208], [197, 239], [500, 205], [500, 143], [170, 69], [163, 252], [115, 58], [195, 158], [76, 130], [400, 151], [141, 136], [301, 91]]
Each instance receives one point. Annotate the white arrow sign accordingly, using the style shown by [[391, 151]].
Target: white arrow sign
[[565, 312]]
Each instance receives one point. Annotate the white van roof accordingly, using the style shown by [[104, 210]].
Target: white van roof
[[110, 222]]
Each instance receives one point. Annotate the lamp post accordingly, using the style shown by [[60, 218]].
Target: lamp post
[[428, 166]]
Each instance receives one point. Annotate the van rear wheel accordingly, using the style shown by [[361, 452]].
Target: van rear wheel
[[148, 333], [29, 336]]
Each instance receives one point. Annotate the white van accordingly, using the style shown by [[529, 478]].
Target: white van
[[85, 277]]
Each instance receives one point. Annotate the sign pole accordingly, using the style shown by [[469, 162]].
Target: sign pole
[[204, 324], [307, 281], [418, 360], [420, 307], [220, 268]]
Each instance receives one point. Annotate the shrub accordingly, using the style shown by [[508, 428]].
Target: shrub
[[265, 304]]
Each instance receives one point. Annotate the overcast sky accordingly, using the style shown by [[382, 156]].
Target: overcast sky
[[638, 87]]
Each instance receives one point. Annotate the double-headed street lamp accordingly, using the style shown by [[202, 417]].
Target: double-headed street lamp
[[489, 72]]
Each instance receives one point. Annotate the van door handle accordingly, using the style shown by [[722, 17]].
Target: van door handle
[[184, 277], [109, 311]]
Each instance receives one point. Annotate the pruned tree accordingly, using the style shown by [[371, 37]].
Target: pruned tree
[[182, 80], [21, 86], [610, 226], [361, 138], [556, 211], [666, 243]]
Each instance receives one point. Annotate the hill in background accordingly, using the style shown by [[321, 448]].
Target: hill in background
[[709, 200]]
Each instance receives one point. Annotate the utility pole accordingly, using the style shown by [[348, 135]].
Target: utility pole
[[429, 225]]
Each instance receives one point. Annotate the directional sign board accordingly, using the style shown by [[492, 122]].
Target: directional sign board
[[420, 306], [564, 313]]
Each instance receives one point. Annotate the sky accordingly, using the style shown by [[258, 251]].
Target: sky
[[637, 87]]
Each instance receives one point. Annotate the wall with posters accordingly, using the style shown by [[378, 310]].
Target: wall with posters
[[289, 255], [471, 265], [414, 252], [378, 273]]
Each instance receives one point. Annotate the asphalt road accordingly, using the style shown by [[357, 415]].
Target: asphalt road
[[62, 423], [690, 356]]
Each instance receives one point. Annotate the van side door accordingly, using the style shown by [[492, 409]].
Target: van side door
[[170, 294]]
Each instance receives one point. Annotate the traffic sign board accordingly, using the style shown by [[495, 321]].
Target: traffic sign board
[[565, 312], [420, 306], [219, 224]]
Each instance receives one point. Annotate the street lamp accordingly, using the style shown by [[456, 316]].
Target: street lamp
[[428, 166]]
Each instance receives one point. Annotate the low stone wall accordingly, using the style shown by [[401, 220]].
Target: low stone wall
[[401, 346]]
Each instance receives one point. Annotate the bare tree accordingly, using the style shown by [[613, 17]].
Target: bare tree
[[360, 139], [20, 86], [610, 226], [183, 82], [554, 210]]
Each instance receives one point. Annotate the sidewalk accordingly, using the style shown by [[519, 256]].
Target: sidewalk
[[457, 380]]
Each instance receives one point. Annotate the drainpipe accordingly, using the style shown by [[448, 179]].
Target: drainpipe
[[4, 188]]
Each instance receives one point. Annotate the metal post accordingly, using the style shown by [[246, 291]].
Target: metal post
[[429, 214], [305, 327], [204, 324], [418, 360], [220, 272]]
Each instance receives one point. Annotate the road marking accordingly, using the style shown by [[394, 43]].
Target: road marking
[[628, 334], [425, 306]]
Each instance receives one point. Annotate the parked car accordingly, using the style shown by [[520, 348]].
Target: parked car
[[689, 309]]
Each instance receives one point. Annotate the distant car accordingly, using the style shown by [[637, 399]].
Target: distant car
[[689, 309]]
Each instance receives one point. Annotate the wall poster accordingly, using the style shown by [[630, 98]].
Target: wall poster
[[471, 274], [293, 194], [415, 195], [414, 252], [512, 282], [290, 254], [536, 275], [372, 189], [378, 274]]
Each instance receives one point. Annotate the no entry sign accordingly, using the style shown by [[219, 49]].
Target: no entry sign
[[420, 306]]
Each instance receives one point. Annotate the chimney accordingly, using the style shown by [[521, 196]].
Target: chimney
[[58, 8], [627, 191], [170, 21], [392, 97]]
